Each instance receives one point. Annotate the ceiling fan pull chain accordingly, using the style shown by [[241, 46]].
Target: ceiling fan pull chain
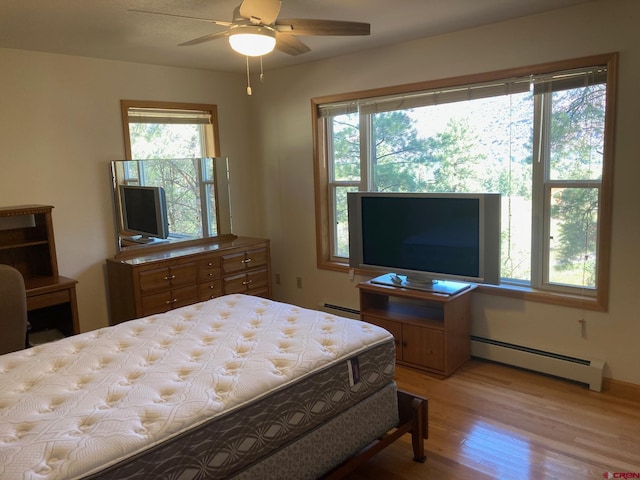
[[261, 71], [248, 79]]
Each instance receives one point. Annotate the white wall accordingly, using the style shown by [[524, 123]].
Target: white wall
[[285, 138], [60, 118]]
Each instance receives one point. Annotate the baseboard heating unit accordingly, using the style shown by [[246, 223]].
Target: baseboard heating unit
[[577, 369], [339, 310], [580, 370]]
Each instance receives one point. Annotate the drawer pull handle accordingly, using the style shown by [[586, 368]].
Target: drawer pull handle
[[210, 264], [169, 277], [212, 287], [248, 260], [211, 274], [169, 302], [246, 282]]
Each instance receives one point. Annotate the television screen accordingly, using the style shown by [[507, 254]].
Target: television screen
[[426, 237], [144, 212]]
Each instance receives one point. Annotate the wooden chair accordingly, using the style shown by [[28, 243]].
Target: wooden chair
[[13, 310]]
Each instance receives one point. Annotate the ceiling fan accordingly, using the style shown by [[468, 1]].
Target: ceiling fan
[[256, 29]]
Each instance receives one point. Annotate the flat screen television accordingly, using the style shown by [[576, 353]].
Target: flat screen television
[[428, 241], [144, 212]]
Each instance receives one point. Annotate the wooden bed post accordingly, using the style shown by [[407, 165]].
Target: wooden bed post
[[414, 418]]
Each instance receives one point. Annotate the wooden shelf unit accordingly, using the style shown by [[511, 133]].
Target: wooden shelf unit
[[27, 243], [432, 331], [148, 280]]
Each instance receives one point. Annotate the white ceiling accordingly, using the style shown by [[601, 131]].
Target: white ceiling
[[107, 29]]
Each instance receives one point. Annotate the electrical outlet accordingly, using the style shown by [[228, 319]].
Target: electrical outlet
[[299, 282], [582, 327], [277, 279]]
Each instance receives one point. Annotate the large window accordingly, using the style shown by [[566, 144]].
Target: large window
[[173, 145], [540, 136]]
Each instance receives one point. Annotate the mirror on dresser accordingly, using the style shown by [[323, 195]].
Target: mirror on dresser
[[170, 200]]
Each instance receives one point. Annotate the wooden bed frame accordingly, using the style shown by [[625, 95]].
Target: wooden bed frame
[[413, 412]]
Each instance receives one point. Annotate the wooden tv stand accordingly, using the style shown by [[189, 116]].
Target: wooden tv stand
[[432, 331]]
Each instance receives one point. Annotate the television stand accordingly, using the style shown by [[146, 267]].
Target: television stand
[[443, 287], [432, 331]]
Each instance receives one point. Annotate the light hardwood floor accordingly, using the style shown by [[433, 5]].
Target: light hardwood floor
[[489, 421]]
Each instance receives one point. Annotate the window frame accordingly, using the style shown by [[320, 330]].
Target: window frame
[[323, 181], [212, 141]]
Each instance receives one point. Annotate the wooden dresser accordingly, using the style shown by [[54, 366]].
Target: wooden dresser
[[148, 280], [27, 243]]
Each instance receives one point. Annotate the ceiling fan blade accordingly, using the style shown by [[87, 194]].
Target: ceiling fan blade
[[200, 19], [308, 26], [290, 45], [205, 38], [260, 11]]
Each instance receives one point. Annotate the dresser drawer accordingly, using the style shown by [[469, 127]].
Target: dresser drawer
[[154, 280], [167, 300], [184, 274], [258, 280], [239, 262], [246, 282], [207, 291], [263, 292], [48, 299], [160, 279], [235, 284], [209, 273]]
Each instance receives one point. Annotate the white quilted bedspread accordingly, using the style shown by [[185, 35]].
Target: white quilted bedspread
[[72, 407]]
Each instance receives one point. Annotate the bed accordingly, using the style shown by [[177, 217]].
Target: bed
[[235, 387]]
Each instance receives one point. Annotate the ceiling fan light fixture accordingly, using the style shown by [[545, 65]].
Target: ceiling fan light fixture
[[252, 40]]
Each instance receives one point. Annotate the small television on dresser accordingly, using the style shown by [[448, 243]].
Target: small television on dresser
[[144, 212], [427, 241]]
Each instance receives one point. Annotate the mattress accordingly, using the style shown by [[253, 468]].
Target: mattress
[[203, 390]]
